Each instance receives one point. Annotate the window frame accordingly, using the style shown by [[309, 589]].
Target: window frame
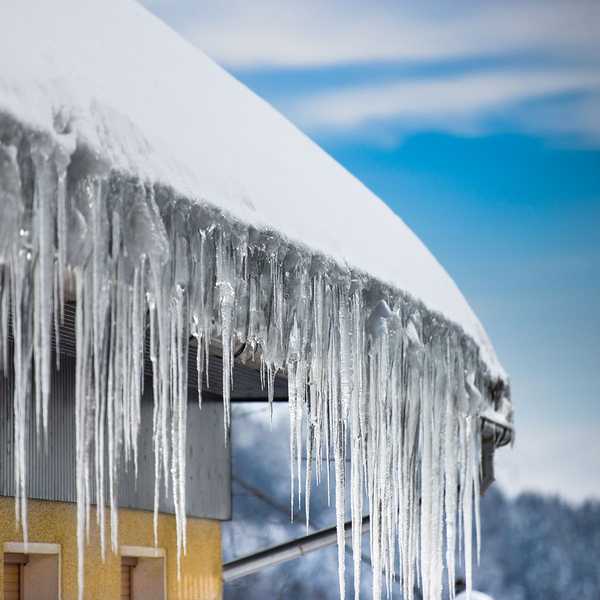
[[36, 548], [147, 552]]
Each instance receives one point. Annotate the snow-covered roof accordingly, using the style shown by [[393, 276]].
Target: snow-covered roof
[[152, 105]]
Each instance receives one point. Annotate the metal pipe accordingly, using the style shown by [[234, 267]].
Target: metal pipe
[[247, 565]]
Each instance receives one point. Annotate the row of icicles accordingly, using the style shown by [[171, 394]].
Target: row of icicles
[[372, 376]]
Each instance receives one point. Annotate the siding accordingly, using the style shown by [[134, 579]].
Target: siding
[[51, 471]]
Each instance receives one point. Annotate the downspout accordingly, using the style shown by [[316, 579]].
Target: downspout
[[247, 565]]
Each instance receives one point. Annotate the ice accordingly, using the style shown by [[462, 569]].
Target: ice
[[374, 378]]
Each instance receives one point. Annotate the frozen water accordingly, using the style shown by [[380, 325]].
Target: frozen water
[[373, 376]]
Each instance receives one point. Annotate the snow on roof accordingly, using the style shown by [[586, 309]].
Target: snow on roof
[[152, 105]]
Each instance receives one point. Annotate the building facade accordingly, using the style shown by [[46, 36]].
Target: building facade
[[46, 569]]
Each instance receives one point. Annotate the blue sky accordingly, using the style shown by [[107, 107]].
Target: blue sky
[[479, 125]]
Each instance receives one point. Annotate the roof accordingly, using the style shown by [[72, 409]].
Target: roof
[[152, 105]]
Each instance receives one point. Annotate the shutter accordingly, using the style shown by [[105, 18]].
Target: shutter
[[126, 582], [12, 582], [128, 563]]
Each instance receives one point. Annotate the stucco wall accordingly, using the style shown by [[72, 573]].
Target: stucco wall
[[54, 522]]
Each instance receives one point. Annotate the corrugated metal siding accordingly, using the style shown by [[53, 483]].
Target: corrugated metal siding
[[6, 437], [208, 486], [51, 471]]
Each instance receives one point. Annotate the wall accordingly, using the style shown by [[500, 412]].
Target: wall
[[55, 522]]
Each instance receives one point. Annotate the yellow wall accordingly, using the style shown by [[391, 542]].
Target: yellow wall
[[54, 522]]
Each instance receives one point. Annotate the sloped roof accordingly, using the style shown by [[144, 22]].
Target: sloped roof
[[152, 105]]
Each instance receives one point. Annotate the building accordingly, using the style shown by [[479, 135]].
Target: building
[[165, 232]]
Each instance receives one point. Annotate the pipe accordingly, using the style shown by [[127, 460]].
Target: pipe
[[247, 565]]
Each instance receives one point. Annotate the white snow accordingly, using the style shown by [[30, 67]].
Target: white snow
[[153, 105], [176, 205]]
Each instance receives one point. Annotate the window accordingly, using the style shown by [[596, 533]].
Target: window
[[142, 573], [31, 572]]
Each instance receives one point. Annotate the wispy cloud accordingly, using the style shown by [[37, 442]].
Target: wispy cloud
[[243, 34], [458, 103], [468, 66]]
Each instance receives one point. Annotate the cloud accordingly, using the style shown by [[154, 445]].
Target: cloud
[[577, 117], [458, 103], [313, 33], [279, 37]]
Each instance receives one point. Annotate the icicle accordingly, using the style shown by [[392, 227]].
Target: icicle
[[15, 254], [81, 443], [226, 312], [44, 206], [340, 399], [451, 480], [476, 402], [357, 430], [370, 372]]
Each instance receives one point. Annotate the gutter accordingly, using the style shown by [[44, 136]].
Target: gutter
[[497, 427]]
